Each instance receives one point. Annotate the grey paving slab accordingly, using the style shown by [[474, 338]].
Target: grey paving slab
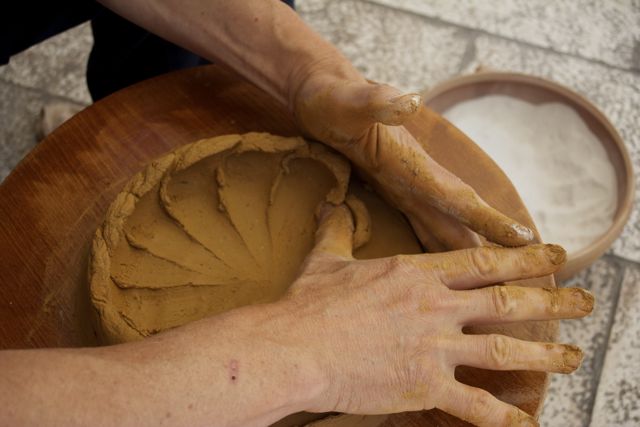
[[618, 399], [19, 120], [56, 66], [607, 31], [616, 92], [570, 397], [387, 45]]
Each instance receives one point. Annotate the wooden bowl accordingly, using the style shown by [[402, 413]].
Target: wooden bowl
[[54, 200], [537, 90]]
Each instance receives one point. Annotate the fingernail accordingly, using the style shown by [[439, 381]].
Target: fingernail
[[584, 300], [518, 234], [408, 102], [571, 358], [556, 254]]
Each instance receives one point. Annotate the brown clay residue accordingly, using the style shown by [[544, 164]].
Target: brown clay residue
[[584, 300], [556, 254], [571, 358], [553, 305]]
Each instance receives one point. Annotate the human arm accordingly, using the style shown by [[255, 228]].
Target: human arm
[[270, 45], [363, 337], [233, 370]]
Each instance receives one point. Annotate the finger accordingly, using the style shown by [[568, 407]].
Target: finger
[[454, 197], [335, 231], [440, 232], [502, 353], [477, 267], [429, 241], [500, 304], [364, 104], [381, 103], [406, 174], [481, 408], [362, 220]]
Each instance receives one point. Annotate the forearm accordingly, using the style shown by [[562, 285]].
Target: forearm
[[264, 40], [238, 369]]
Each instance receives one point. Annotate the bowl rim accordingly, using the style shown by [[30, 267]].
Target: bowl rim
[[584, 256]]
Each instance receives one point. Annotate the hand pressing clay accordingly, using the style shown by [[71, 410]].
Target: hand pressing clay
[[221, 223], [421, 303], [362, 120], [231, 221]]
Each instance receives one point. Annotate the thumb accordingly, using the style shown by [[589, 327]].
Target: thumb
[[342, 111], [372, 103], [335, 231], [391, 107]]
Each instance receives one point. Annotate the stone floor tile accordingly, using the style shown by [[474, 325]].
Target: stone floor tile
[[390, 46], [618, 398], [605, 31], [56, 66], [19, 120], [570, 397], [615, 92]]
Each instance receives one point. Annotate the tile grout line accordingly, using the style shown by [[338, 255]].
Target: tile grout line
[[469, 54], [623, 259], [479, 31], [624, 264]]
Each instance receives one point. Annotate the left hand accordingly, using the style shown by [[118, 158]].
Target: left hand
[[363, 120]]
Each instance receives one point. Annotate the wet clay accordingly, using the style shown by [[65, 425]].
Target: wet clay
[[221, 223], [226, 222]]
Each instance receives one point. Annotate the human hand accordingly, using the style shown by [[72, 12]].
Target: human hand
[[363, 120], [387, 333]]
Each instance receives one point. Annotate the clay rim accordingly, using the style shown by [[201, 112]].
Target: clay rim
[[113, 325], [584, 257]]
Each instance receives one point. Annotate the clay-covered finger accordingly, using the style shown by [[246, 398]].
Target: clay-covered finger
[[357, 106], [481, 408], [454, 197], [428, 239], [381, 103], [439, 232], [500, 304], [473, 268], [502, 353], [335, 231]]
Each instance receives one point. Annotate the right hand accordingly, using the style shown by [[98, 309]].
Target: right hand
[[387, 333]]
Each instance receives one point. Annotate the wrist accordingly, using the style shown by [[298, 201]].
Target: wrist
[[293, 366]]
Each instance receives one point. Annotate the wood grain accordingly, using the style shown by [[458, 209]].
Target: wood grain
[[54, 200]]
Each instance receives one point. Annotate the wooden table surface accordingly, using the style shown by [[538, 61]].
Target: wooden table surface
[[54, 200]]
